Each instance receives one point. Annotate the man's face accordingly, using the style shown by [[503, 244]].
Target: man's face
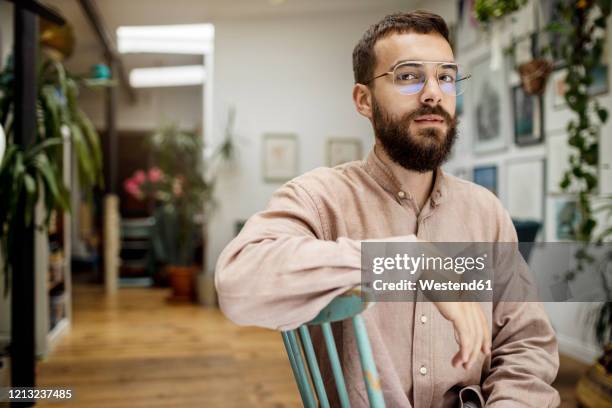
[[409, 137]]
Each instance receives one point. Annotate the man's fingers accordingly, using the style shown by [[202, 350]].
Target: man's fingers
[[471, 331], [485, 324], [457, 359], [464, 331], [477, 335]]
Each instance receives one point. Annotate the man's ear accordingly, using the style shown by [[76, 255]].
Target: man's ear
[[362, 97]]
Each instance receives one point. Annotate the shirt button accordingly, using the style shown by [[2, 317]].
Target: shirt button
[[401, 194], [423, 370], [423, 319]]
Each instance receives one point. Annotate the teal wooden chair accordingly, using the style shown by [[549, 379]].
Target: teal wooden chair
[[304, 361]]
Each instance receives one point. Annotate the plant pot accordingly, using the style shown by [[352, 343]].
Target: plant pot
[[534, 75], [182, 282], [594, 390]]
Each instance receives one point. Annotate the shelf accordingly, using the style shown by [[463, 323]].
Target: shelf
[[54, 284]]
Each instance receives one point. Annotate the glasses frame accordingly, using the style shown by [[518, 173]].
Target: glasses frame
[[438, 63]]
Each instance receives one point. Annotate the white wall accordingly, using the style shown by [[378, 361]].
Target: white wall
[[570, 320], [283, 75], [154, 106]]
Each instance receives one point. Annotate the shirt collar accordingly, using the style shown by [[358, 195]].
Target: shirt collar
[[389, 179]]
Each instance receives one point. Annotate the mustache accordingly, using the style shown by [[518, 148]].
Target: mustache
[[430, 110]]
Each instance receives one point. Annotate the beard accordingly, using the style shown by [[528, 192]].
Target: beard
[[422, 151]]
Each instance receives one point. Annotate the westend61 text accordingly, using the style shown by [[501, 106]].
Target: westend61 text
[[429, 285]]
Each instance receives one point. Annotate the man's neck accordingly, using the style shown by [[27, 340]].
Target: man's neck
[[419, 185]]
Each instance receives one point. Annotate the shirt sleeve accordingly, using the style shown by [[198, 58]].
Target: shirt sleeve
[[524, 354], [280, 271]]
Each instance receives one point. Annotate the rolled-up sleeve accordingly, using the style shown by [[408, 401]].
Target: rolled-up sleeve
[[280, 271]]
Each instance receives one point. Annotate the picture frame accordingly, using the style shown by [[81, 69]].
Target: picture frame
[[600, 80], [486, 176], [489, 102], [600, 85], [558, 84], [528, 117], [563, 219], [342, 150], [280, 157], [526, 201], [553, 39]]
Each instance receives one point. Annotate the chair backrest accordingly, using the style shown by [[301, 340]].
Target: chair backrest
[[301, 353]]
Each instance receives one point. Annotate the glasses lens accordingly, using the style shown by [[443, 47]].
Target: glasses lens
[[452, 78], [409, 78]]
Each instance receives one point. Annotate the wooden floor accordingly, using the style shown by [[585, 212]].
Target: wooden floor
[[136, 350]]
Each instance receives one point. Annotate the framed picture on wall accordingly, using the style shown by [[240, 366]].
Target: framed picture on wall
[[525, 200], [559, 86], [528, 117], [600, 85], [342, 150], [600, 80], [565, 219], [486, 176], [489, 106], [280, 157], [551, 13]]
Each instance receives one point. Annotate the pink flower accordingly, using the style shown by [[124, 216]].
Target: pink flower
[[155, 174], [132, 187], [139, 177]]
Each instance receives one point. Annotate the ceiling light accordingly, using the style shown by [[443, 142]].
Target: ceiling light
[[166, 39], [186, 75]]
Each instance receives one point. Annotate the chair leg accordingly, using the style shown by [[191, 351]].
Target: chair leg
[[313, 365], [368, 366], [299, 371], [334, 360]]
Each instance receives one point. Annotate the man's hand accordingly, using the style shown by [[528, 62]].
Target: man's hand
[[471, 330]]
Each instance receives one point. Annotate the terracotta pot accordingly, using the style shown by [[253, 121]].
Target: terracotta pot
[[182, 282], [534, 75], [594, 389]]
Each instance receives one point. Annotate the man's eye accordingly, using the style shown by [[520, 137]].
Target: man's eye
[[447, 78], [406, 77]]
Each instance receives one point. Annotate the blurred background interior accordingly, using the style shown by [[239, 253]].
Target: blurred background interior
[[164, 125]]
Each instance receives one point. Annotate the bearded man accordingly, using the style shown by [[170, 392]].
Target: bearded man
[[292, 259]]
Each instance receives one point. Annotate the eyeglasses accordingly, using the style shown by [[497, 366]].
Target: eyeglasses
[[409, 77]]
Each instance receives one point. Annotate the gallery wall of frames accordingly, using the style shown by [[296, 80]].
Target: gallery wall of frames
[[516, 144]]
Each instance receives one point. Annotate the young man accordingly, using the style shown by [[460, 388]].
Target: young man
[[292, 259]]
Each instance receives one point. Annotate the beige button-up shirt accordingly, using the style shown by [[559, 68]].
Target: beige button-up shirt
[[293, 258]]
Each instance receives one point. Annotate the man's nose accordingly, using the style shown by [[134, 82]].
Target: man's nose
[[431, 94]]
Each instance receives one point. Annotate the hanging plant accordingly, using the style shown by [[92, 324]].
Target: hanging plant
[[489, 10], [582, 48]]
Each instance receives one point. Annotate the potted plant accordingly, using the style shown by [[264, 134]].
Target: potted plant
[[182, 186], [30, 173]]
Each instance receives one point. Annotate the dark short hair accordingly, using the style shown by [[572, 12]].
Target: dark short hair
[[418, 21]]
